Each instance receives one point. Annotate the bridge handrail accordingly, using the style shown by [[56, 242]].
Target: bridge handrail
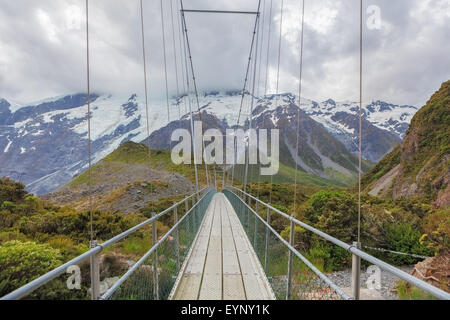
[[38, 282], [320, 274], [155, 246], [434, 291]]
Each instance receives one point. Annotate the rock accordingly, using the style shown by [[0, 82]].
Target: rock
[[366, 294], [130, 263], [434, 270], [105, 285]]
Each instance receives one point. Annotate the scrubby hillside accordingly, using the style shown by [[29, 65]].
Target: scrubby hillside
[[420, 165]]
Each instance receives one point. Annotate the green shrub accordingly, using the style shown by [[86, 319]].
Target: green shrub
[[11, 190], [403, 238], [22, 262], [333, 212], [436, 228]]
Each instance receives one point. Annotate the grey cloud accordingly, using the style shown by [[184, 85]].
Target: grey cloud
[[403, 64]]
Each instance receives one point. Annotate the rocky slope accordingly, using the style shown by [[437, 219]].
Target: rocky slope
[[420, 165], [124, 181]]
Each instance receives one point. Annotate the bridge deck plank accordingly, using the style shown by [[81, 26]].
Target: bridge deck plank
[[222, 264]]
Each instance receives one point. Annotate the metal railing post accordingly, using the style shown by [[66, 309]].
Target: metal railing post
[[95, 272], [356, 273], [194, 217], [255, 226], [289, 274], [186, 206], [155, 260], [248, 216], [177, 245], [266, 258]]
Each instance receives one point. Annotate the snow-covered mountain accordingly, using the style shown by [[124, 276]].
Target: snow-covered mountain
[[44, 144]]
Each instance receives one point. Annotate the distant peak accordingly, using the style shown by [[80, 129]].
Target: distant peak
[[4, 103], [330, 101]]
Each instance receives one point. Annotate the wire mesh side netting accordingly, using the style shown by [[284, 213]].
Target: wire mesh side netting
[[273, 255], [157, 274]]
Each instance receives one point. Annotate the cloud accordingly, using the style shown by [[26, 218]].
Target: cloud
[[43, 48]]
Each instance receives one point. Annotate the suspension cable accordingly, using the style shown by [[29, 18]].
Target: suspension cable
[[268, 47], [251, 104], [299, 102], [175, 58], [145, 86], [89, 123], [277, 82], [194, 82], [267, 68], [261, 28], [180, 31], [249, 63], [165, 59], [245, 86], [360, 118], [189, 103], [267, 78]]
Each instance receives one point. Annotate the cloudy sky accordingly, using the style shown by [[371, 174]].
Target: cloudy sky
[[43, 48]]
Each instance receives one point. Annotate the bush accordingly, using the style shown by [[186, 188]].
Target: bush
[[403, 238], [22, 262], [436, 228], [333, 212], [11, 190]]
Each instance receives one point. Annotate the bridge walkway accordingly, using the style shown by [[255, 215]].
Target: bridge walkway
[[221, 264]]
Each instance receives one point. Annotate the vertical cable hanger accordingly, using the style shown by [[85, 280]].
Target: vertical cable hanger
[[277, 81], [258, 167], [245, 86], [193, 81], [268, 47], [89, 123], [360, 117], [144, 60], [189, 99], [297, 132], [175, 58], [165, 59], [267, 79], [267, 65], [251, 104], [180, 30]]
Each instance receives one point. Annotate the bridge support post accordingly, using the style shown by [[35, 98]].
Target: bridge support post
[[254, 234], [177, 245], [155, 260], [186, 207], [95, 273], [289, 275], [249, 202], [266, 251], [356, 273]]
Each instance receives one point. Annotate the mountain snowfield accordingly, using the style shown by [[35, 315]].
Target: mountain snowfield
[[44, 144]]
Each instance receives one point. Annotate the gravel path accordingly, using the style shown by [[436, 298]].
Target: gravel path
[[343, 280]]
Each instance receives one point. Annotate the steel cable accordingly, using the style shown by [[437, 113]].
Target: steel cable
[[165, 59], [89, 123], [299, 103], [277, 81]]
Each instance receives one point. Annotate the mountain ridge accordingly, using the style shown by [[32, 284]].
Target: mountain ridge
[[420, 165], [44, 144]]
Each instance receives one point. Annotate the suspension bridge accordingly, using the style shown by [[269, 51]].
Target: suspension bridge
[[221, 245]]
